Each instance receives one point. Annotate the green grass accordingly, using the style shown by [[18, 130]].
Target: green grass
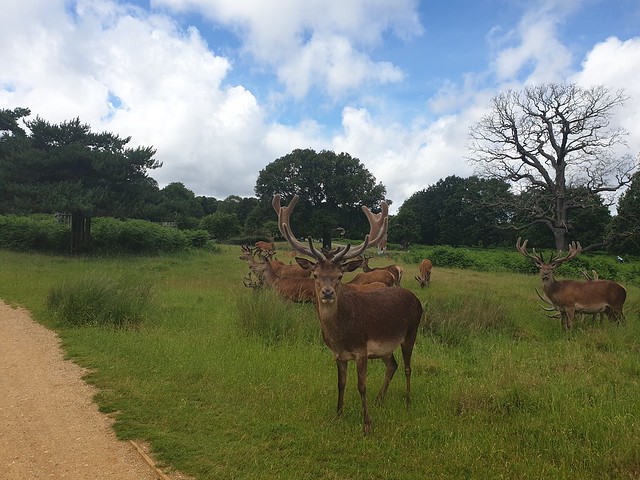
[[498, 390]]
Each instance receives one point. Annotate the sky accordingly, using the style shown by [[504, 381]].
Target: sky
[[222, 88]]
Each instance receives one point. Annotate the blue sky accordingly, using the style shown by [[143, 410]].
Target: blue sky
[[223, 87]]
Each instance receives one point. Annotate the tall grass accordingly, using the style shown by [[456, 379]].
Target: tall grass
[[225, 383], [100, 300]]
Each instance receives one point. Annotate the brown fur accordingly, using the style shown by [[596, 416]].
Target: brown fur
[[358, 325], [381, 276], [572, 296], [425, 272], [395, 270]]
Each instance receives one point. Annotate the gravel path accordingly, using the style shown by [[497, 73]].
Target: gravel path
[[49, 426]]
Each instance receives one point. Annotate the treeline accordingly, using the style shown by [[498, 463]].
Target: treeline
[[48, 168]]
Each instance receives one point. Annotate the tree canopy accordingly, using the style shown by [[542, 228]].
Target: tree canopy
[[549, 139], [331, 186], [67, 167]]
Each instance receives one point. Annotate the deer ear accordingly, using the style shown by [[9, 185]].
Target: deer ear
[[305, 263], [352, 265]]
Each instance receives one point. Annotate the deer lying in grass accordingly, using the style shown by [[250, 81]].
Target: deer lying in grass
[[378, 276], [281, 269], [571, 296], [300, 290], [395, 270], [425, 273], [358, 325], [265, 247]]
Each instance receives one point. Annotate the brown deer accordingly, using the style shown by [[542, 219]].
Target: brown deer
[[425, 273], [380, 276], [299, 290], [358, 325], [265, 247], [395, 270], [281, 269], [571, 296]]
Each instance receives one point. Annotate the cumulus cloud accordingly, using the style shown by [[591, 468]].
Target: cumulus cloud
[[316, 43]]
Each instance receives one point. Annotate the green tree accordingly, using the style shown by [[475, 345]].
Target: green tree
[[178, 204], [221, 226], [550, 138], [473, 214], [67, 167], [626, 225], [331, 186]]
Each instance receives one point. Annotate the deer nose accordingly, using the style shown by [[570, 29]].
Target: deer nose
[[327, 293]]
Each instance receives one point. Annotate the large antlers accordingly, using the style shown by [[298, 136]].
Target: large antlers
[[378, 224], [574, 250]]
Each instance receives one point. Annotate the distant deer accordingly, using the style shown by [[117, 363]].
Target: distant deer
[[571, 296], [357, 325], [425, 273], [281, 269], [265, 247], [395, 270]]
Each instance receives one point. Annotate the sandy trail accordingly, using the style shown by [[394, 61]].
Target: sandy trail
[[49, 425]]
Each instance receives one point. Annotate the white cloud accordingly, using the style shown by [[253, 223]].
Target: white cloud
[[615, 64], [316, 43], [404, 159]]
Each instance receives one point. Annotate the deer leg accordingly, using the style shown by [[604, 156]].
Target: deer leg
[[342, 382], [569, 312], [407, 351], [392, 366], [361, 364]]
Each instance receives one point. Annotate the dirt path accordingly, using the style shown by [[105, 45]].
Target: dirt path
[[49, 426]]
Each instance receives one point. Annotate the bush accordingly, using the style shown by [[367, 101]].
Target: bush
[[99, 301], [110, 235], [41, 233]]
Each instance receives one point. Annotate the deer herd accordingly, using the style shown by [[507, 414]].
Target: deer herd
[[371, 315]]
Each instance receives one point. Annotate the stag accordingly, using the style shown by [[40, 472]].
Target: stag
[[425, 273], [357, 325], [571, 296], [395, 270]]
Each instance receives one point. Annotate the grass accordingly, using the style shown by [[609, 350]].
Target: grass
[[227, 383]]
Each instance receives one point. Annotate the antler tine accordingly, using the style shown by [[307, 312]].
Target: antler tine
[[378, 224], [522, 249], [284, 215], [574, 250]]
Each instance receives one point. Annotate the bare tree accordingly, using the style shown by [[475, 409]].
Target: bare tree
[[551, 141]]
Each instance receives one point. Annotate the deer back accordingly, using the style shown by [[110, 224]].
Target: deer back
[[382, 276], [589, 296]]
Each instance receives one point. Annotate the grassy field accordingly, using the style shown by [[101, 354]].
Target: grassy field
[[227, 383]]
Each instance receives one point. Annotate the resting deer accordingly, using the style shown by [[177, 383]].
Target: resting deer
[[425, 272], [265, 247], [571, 296], [395, 270], [358, 325], [281, 269], [299, 290]]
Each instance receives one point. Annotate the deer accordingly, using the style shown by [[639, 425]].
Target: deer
[[295, 289], [357, 326], [571, 296], [379, 276], [395, 270], [265, 247], [425, 273], [281, 269]]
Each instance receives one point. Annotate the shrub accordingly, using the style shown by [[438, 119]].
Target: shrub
[[99, 301], [110, 235], [41, 233]]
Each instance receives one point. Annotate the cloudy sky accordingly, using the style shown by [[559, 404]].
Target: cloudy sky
[[221, 88]]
